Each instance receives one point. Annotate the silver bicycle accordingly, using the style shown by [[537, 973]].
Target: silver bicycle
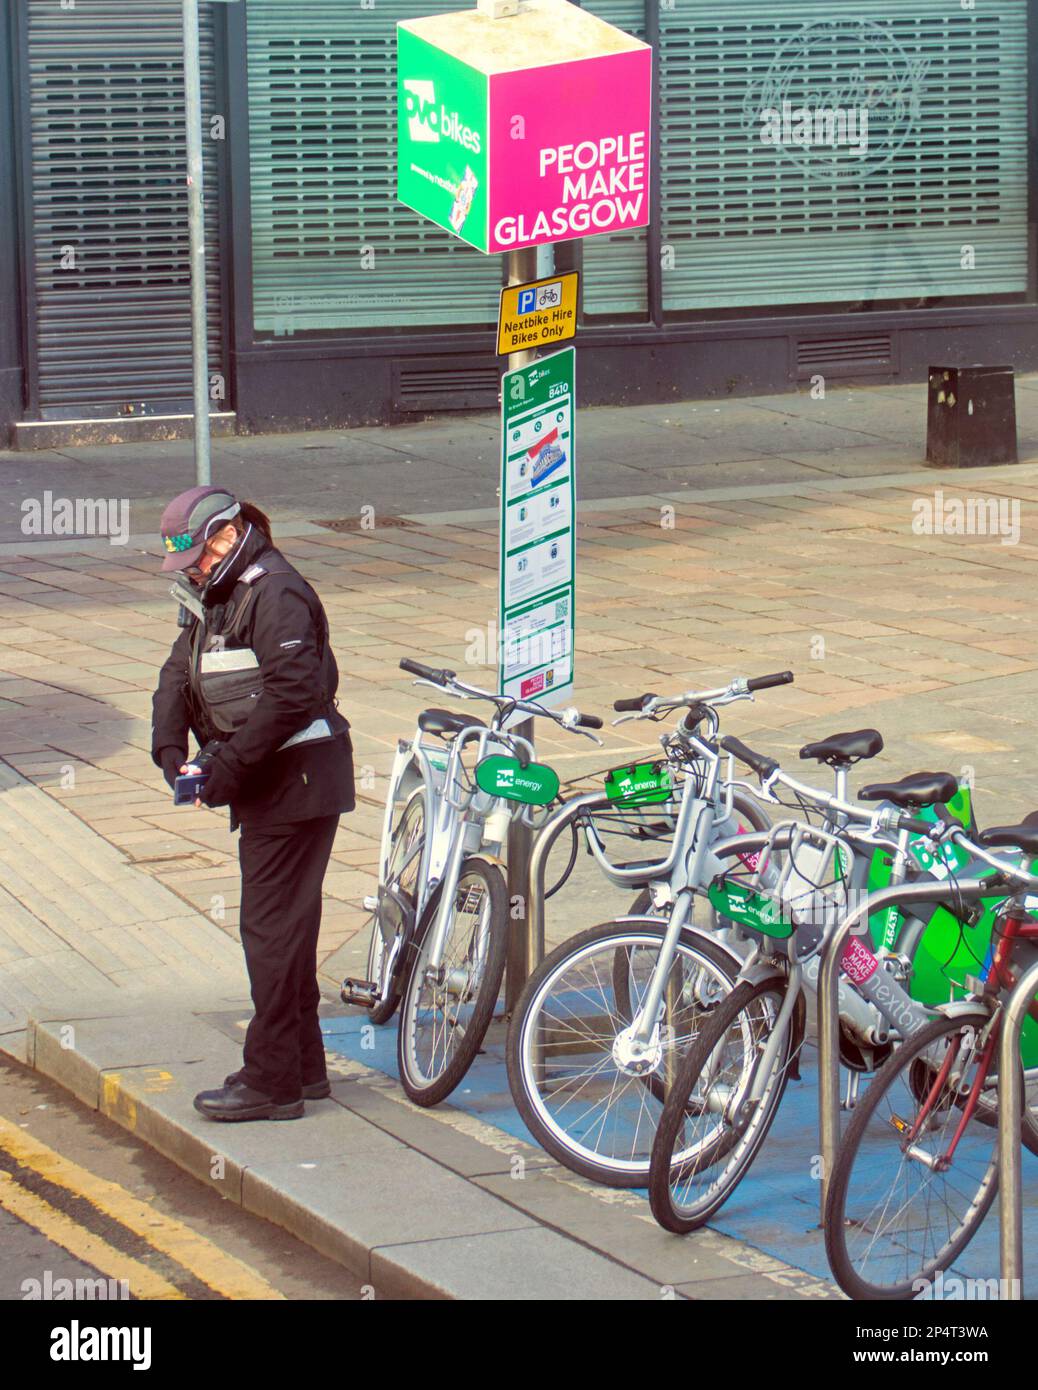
[[440, 917], [601, 1023]]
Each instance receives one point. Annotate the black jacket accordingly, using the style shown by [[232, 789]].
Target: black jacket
[[286, 627]]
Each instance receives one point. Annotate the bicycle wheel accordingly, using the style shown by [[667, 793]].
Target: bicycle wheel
[[443, 1020], [581, 1095], [898, 1210], [703, 1149], [405, 858], [987, 1104]]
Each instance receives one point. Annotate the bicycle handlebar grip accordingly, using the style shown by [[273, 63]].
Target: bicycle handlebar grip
[[425, 673], [588, 721], [766, 682], [761, 765], [915, 826], [635, 702]]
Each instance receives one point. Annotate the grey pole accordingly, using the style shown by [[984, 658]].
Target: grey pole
[[829, 1002], [1010, 1107], [522, 266], [196, 228]]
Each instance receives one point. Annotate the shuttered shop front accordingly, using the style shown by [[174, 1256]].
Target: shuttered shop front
[[928, 200], [331, 246], [110, 306]]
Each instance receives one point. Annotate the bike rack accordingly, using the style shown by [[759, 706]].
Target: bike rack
[[829, 1003], [1010, 1104], [546, 837]]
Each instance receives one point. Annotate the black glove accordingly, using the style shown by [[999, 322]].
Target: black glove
[[171, 760], [221, 784]]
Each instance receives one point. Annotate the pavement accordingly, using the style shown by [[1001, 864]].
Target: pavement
[[714, 539]]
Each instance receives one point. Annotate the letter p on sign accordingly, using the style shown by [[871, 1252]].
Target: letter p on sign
[[527, 300]]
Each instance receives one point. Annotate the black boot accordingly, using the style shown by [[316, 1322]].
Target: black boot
[[317, 1090], [241, 1102]]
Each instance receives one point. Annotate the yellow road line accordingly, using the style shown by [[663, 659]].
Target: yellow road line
[[214, 1267], [78, 1241]]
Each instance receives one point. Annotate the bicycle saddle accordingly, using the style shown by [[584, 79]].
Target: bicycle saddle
[[920, 789], [445, 722], [1008, 836], [840, 750]]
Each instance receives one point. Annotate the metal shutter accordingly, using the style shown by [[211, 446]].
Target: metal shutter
[[331, 246], [615, 279], [749, 225], [110, 240]]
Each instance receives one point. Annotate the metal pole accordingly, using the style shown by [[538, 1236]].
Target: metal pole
[[1010, 1108], [196, 229], [522, 267], [829, 1002]]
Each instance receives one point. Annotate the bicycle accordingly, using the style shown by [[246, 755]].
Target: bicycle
[[917, 1169], [439, 933], [731, 1081], [629, 993]]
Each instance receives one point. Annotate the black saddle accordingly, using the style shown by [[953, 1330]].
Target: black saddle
[[920, 789], [841, 750], [445, 722], [1007, 836]]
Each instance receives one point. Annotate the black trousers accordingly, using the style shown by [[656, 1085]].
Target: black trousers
[[282, 869]]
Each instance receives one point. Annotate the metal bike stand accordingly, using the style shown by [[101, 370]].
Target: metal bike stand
[[546, 837], [1010, 1105], [829, 1002]]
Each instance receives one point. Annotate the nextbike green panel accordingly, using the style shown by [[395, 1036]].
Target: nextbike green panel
[[640, 784], [533, 785]]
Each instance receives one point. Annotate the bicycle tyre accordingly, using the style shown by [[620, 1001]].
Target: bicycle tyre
[[384, 1010], [696, 948], [423, 1089], [837, 1223], [689, 1217]]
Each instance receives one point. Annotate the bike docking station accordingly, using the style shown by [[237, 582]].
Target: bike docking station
[[522, 123]]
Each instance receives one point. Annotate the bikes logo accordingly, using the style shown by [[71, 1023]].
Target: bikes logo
[[428, 122], [829, 77]]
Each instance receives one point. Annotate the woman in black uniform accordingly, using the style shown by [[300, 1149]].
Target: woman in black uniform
[[253, 677]]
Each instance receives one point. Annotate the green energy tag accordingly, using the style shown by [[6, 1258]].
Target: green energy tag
[[641, 783], [535, 784]]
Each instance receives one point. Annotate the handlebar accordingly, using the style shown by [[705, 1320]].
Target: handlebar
[[427, 673], [767, 682], [762, 765], [569, 718], [635, 702], [650, 706]]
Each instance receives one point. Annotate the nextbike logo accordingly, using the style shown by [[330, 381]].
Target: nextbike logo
[[427, 123]]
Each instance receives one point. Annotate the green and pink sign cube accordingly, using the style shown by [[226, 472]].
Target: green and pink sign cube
[[524, 130]]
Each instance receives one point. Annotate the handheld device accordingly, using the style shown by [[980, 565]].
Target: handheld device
[[188, 785]]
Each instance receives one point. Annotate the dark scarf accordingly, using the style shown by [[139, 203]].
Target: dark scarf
[[221, 582]]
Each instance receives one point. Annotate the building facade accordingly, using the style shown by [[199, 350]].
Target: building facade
[[843, 190]]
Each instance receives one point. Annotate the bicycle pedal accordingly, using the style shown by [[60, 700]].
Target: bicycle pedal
[[362, 992]]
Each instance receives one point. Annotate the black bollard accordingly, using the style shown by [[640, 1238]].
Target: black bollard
[[971, 417]]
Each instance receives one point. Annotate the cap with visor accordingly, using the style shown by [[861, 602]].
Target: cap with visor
[[192, 519]]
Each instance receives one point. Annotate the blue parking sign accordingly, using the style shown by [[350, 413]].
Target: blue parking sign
[[527, 300]]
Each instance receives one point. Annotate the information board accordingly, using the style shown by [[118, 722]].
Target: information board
[[536, 608]]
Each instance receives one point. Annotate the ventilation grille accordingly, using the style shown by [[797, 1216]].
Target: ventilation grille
[[844, 356], [425, 386]]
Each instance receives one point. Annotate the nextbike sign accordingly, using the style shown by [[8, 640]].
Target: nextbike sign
[[526, 130]]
